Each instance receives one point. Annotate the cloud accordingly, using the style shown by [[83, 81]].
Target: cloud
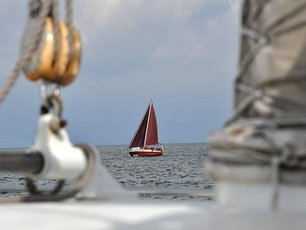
[[182, 53], [134, 33]]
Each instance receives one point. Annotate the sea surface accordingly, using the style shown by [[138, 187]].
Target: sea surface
[[177, 175], [180, 169]]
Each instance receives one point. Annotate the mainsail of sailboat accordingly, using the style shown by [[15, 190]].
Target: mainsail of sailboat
[[145, 140]]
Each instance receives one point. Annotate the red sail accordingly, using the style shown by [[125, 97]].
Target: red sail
[[151, 133], [139, 137]]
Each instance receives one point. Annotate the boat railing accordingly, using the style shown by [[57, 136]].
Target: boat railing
[[157, 146]]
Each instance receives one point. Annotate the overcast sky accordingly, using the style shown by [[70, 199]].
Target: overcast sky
[[180, 53]]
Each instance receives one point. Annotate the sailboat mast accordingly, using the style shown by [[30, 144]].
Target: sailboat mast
[[148, 121]]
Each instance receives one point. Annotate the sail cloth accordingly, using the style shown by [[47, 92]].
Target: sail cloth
[[152, 134], [139, 137], [268, 126], [146, 134]]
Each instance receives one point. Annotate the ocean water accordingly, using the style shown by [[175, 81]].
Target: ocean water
[[180, 169]]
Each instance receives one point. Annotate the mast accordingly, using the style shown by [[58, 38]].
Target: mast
[[138, 139], [151, 137], [148, 121]]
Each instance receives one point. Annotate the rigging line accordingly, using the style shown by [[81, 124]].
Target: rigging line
[[237, 154], [147, 125], [33, 190], [248, 59], [254, 155], [287, 121], [254, 35], [286, 17], [251, 33], [29, 50], [289, 29], [283, 156], [69, 21], [244, 104], [244, 155], [257, 11], [261, 40], [244, 88], [279, 101], [56, 26]]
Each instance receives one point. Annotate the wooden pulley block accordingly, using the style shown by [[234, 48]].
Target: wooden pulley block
[[42, 60], [58, 66], [74, 62]]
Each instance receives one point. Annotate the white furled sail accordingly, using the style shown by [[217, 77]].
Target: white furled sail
[[265, 139]]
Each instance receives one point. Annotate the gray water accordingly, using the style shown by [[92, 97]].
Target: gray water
[[181, 168]]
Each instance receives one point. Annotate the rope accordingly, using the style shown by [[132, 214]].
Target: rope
[[40, 10], [257, 11], [250, 139], [29, 48], [275, 164], [260, 39], [56, 26], [69, 21], [31, 187]]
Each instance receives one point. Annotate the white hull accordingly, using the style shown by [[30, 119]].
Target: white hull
[[142, 152]]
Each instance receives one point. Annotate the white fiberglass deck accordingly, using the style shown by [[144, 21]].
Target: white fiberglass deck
[[143, 215]]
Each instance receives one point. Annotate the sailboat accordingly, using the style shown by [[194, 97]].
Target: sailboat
[[145, 140]]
